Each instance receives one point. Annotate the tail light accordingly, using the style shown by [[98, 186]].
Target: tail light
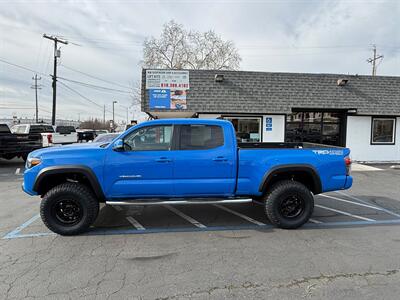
[[347, 162], [50, 139]]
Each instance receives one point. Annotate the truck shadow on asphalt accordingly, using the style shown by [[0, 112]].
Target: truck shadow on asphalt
[[332, 210]]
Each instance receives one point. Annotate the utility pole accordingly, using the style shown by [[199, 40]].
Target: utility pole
[[104, 114], [36, 87], [113, 115], [374, 59], [57, 54], [127, 112]]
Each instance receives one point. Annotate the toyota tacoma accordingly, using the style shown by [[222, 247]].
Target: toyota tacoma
[[182, 161]]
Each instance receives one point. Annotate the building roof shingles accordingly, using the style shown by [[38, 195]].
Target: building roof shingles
[[262, 92]]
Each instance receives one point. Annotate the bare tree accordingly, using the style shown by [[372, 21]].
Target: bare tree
[[178, 48]]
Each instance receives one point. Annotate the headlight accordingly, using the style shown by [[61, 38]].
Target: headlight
[[32, 161]]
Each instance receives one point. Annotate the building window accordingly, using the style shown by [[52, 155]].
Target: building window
[[315, 127], [383, 130], [248, 129]]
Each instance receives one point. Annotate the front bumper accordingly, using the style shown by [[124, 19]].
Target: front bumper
[[29, 180]]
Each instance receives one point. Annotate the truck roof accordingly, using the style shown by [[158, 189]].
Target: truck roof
[[187, 121]]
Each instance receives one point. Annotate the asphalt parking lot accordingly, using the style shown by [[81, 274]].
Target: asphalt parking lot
[[349, 249]]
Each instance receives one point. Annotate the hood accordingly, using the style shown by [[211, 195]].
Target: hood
[[65, 149]]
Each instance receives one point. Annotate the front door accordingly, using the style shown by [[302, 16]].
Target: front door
[[144, 168], [204, 162]]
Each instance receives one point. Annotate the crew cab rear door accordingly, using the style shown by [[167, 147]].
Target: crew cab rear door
[[204, 161]]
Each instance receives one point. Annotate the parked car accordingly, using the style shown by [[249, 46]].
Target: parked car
[[101, 131], [12, 145], [105, 137], [59, 136], [86, 135], [186, 161], [124, 127], [65, 135], [42, 131]]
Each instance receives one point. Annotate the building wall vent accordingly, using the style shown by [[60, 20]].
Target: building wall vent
[[219, 77], [342, 81]]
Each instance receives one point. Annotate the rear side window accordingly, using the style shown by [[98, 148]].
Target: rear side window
[[65, 129], [4, 128], [200, 137], [19, 129], [41, 129]]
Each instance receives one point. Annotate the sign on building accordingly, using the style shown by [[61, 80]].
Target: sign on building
[[268, 124], [167, 88]]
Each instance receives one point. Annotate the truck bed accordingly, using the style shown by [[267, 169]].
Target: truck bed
[[294, 145]]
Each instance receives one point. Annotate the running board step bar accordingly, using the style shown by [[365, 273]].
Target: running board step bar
[[178, 202]]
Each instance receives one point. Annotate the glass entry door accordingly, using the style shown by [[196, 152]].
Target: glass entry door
[[248, 129]]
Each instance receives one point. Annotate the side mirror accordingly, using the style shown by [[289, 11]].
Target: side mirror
[[118, 145]]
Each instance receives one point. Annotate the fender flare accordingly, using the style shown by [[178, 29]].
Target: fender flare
[[309, 169], [63, 169]]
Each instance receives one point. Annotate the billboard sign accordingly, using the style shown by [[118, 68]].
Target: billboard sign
[[167, 88], [172, 79], [160, 98]]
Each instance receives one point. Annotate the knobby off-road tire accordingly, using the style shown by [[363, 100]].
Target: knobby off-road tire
[[289, 204], [69, 208]]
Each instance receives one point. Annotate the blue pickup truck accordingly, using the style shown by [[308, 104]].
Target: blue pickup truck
[[183, 161]]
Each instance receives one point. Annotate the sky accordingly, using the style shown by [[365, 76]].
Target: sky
[[106, 38]]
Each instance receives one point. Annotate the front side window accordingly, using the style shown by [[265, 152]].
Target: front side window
[[200, 137], [383, 130], [149, 138]]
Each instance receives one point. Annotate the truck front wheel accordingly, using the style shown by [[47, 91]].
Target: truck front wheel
[[69, 208], [289, 204]]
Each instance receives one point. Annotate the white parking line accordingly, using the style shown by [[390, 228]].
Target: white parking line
[[315, 221], [363, 201], [351, 202], [117, 207], [135, 223], [184, 216], [345, 213], [17, 171], [239, 215]]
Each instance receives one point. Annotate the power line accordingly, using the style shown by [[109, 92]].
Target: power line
[[94, 85], [86, 98], [78, 93], [94, 77], [21, 67]]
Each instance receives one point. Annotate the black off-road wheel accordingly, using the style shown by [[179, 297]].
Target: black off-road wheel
[[289, 204], [69, 208]]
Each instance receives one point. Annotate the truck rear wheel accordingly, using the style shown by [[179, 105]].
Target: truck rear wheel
[[289, 204], [69, 208]]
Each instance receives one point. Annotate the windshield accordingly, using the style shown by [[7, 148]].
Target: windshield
[[105, 138]]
